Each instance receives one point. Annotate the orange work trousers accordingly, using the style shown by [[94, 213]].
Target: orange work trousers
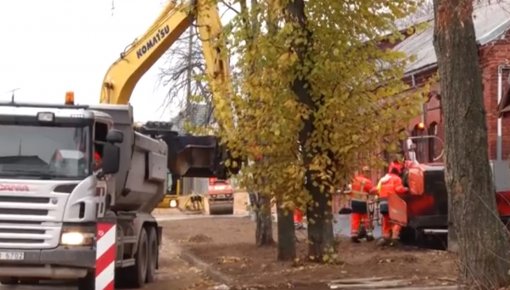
[[356, 219], [389, 229]]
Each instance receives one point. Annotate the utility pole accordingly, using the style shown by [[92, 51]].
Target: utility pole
[[12, 94]]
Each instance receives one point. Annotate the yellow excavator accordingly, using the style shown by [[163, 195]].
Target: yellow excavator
[[122, 76]]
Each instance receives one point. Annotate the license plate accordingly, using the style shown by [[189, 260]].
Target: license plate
[[220, 196], [12, 256]]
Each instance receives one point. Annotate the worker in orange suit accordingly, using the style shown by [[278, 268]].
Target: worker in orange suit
[[361, 187], [391, 183]]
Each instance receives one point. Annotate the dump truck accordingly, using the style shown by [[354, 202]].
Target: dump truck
[[52, 192]]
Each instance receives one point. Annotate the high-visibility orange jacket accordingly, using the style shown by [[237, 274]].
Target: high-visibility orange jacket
[[390, 184], [361, 187]]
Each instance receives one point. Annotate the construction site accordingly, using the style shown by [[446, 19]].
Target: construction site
[[92, 198]]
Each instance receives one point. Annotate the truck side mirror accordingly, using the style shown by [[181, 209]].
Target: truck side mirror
[[111, 158], [114, 136]]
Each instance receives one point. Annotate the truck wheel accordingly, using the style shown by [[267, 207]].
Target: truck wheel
[[8, 281], [88, 282], [136, 275], [153, 255]]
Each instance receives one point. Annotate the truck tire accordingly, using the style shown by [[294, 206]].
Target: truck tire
[[153, 255], [136, 275]]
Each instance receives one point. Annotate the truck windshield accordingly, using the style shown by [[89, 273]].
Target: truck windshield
[[44, 152]]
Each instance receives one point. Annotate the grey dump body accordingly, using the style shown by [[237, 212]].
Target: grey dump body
[[141, 181]]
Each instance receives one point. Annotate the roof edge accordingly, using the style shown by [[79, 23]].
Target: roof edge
[[420, 70], [495, 33]]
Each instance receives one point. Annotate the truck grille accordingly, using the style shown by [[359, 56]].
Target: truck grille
[[28, 221]]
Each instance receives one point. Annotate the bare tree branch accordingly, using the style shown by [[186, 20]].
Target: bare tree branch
[[183, 77]]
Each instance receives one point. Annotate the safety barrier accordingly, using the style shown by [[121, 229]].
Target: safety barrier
[[105, 255]]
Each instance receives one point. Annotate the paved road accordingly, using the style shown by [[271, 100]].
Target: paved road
[[176, 273]]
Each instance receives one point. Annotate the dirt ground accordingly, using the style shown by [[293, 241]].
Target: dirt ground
[[228, 244]]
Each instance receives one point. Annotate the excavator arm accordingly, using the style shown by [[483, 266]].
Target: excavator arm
[[191, 156], [124, 74]]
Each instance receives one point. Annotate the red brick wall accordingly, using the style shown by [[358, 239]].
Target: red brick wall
[[491, 55]]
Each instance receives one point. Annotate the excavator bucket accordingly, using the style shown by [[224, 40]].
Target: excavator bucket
[[192, 156]]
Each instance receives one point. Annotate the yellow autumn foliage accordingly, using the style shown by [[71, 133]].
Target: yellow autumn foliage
[[357, 107]]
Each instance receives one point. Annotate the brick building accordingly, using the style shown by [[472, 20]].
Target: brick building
[[492, 25]]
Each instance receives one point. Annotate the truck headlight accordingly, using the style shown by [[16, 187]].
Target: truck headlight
[[76, 239], [173, 203], [45, 117]]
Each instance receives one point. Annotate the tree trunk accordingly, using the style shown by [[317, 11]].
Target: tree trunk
[[286, 235], [483, 245], [320, 225], [320, 228], [264, 228]]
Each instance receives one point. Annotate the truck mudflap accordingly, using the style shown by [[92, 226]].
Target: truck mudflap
[[397, 209]]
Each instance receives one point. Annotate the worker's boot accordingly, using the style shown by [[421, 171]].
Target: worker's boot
[[355, 239], [394, 243], [370, 237], [362, 233]]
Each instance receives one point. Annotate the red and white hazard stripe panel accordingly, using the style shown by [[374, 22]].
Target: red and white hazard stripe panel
[[105, 256]]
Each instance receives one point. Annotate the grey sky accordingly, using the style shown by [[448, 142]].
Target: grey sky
[[51, 46]]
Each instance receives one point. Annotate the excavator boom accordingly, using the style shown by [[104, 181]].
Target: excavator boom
[[124, 74], [191, 156]]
